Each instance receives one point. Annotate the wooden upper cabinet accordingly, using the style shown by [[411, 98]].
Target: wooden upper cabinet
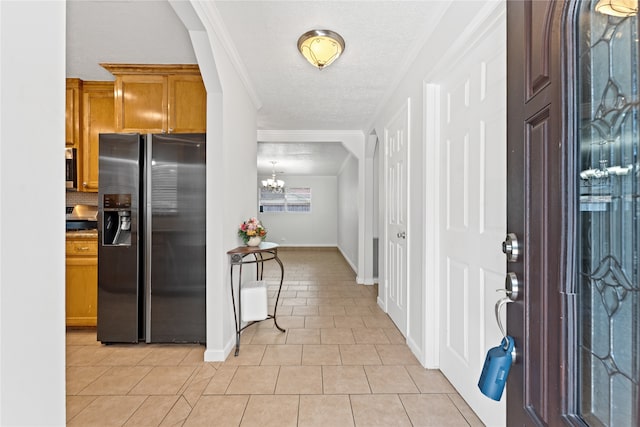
[[98, 108], [73, 112], [141, 103], [159, 98], [187, 104]]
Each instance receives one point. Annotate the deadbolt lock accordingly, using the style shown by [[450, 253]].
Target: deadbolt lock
[[511, 247]]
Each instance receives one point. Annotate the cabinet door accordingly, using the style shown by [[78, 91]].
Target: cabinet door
[[98, 110], [73, 112], [141, 103], [187, 104], [82, 291], [82, 282]]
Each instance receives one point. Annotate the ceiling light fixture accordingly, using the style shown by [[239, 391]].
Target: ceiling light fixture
[[620, 8], [321, 47], [272, 184]]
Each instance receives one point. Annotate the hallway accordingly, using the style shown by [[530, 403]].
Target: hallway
[[341, 362]]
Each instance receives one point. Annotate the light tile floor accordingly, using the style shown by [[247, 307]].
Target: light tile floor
[[341, 362]]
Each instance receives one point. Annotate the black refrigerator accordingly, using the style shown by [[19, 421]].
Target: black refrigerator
[[151, 238]]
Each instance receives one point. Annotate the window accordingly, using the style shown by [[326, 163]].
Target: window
[[292, 199], [608, 244]]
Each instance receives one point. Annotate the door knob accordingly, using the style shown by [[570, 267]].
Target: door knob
[[401, 235], [512, 289], [511, 286], [511, 247]]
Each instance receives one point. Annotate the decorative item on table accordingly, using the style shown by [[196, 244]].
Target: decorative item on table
[[252, 232]]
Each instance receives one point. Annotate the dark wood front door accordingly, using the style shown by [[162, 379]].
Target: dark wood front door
[[534, 208], [573, 200]]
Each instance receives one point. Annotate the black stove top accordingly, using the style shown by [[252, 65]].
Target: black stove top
[[78, 225], [81, 217]]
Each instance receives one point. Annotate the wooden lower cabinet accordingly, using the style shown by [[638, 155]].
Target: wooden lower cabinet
[[82, 281]]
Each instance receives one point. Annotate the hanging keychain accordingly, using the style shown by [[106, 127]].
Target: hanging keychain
[[498, 361]]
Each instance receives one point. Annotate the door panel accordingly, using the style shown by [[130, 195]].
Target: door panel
[[176, 213], [119, 265], [537, 23], [572, 143], [472, 210], [457, 181], [457, 340], [396, 143], [537, 334], [534, 193]]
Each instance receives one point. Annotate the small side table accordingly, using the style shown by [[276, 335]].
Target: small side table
[[239, 257]]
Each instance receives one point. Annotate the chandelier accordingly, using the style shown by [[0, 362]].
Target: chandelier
[[272, 184]]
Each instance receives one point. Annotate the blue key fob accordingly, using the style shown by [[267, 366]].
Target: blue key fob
[[496, 369]]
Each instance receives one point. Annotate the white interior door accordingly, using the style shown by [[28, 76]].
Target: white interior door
[[396, 141], [473, 212]]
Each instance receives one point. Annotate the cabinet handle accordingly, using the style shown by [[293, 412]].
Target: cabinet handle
[[84, 184], [83, 248]]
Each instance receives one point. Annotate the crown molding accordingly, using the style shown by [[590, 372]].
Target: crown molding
[[308, 135], [214, 25], [163, 69]]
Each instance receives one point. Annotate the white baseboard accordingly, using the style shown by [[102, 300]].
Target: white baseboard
[[417, 351], [367, 282], [295, 245], [351, 264], [215, 355]]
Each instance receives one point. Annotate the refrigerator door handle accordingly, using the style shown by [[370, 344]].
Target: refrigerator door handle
[[148, 157]]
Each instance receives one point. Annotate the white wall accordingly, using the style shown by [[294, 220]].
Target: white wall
[[451, 26], [348, 216], [354, 142], [92, 37], [316, 228], [231, 160], [32, 245], [455, 28]]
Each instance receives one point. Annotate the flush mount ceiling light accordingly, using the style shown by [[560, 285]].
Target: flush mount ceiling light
[[321, 47], [621, 8], [272, 184]]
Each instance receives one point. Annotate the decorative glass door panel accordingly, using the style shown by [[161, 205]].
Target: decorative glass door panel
[[608, 244]]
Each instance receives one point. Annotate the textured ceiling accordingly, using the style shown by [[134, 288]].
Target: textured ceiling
[[381, 38], [132, 31], [301, 158]]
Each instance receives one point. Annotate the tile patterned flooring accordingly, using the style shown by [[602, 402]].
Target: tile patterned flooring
[[341, 362]]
